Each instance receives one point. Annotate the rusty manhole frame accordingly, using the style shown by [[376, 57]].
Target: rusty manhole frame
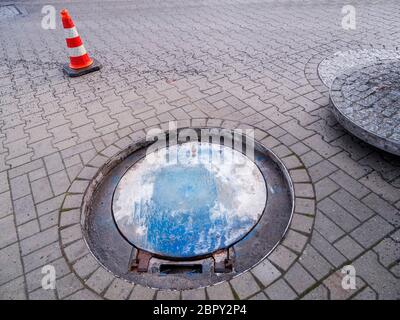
[[182, 281]]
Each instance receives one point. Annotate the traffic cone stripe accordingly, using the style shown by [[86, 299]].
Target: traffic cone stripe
[[77, 51], [71, 33], [81, 60], [74, 42]]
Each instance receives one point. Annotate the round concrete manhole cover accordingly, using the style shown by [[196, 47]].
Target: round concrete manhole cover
[[195, 199], [190, 215], [366, 101], [335, 65]]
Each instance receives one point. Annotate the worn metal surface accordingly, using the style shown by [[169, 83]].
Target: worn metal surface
[[118, 255], [206, 199]]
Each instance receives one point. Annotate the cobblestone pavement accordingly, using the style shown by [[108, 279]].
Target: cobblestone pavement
[[220, 63]]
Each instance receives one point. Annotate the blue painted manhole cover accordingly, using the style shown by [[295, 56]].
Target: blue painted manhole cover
[[195, 199]]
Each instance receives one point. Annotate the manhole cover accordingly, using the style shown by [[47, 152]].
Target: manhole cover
[[9, 11], [366, 102], [191, 215], [190, 202], [335, 65]]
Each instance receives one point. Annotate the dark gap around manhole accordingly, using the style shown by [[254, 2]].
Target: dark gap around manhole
[[180, 268]]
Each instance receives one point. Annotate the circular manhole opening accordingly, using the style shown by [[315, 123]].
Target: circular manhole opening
[[188, 214], [196, 199]]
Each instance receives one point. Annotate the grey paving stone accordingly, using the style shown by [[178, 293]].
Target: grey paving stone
[[320, 146], [282, 257], [352, 205], [20, 186], [299, 175], [50, 205], [348, 247], [259, 296], [292, 162], [13, 290], [349, 184], [383, 208], [59, 182], [280, 290], [24, 209], [375, 182], [321, 170], [71, 234], [28, 229], [42, 257], [349, 166], [304, 190], [388, 251], [70, 217], [371, 231], [5, 204], [142, 293], [265, 272], [100, 280], [315, 263], [41, 190], [326, 227], [221, 291], [8, 233], [295, 240], [305, 206], [68, 285], [366, 294], [319, 293], [396, 269], [195, 294], [338, 215], [10, 263], [118, 290], [41, 294], [301, 223], [245, 285], [328, 250], [311, 158], [76, 250], [49, 220], [39, 240], [84, 294], [168, 295], [299, 278], [86, 266], [324, 188], [377, 277], [37, 174], [4, 186]]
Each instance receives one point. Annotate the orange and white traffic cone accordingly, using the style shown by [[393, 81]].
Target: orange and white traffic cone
[[80, 62]]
